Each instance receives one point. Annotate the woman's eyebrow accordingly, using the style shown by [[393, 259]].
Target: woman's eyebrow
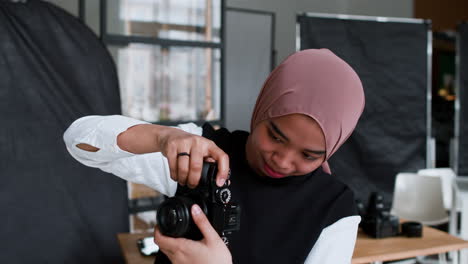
[[318, 152], [280, 133]]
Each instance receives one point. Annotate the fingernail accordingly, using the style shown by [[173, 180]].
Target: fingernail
[[196, 209], [220, 182]]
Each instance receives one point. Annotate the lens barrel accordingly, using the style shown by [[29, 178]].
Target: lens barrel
[[174, 216]]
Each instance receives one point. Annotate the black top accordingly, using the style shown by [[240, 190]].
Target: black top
[[281, 219]]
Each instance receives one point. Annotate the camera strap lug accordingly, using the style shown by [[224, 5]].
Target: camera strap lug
[[225, 239]]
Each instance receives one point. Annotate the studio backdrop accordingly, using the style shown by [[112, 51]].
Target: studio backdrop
[[391, 58], [53, 70], [461, 103]]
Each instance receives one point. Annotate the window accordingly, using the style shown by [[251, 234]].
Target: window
[[168, 55]]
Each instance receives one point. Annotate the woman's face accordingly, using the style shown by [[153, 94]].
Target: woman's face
[[289, 145]]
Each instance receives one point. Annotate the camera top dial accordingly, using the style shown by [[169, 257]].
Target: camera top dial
[[223, 195]]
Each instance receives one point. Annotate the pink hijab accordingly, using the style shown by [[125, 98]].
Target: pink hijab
[[319, 84]]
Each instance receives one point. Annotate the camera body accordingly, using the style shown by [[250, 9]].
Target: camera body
[[174, 217], [377, 220]]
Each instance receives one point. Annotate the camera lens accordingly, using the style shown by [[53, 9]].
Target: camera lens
[[172, 219], [174, 216]]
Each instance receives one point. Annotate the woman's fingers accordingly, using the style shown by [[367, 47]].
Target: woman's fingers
[[171, 155], [183, 165], [167, 244], [200, 219], [223, 164], [189, 167], [196, 165], [186, 153]]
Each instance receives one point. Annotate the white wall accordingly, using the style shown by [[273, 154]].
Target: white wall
[[394, 8]]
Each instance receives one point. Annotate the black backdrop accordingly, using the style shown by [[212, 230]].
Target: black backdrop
[[53, 69], [463, 99], [391, 60]]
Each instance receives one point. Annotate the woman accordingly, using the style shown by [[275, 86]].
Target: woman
[[293, 209]]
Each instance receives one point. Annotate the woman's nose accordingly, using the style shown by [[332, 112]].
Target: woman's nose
[[283, 160]]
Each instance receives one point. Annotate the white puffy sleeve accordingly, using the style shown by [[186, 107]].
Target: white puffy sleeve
[[150, 169], [336, 242]]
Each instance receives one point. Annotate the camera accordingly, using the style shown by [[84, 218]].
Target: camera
[[174, 217], [377, 221]]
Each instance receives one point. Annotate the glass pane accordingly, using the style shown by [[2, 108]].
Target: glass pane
[[189, 20], [169, 84]]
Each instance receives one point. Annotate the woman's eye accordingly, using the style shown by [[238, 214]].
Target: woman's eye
[[275, 138], [308, 157]]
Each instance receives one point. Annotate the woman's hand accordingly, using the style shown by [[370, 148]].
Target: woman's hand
[[187, 152], [173, 143], [211, 249]]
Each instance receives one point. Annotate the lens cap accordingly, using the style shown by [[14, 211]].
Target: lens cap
[[412, 229]]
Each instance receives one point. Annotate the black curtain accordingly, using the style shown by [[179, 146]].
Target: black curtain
[[463, 99], [53, 70], [391, 60]]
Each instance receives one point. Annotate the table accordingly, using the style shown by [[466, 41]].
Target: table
[[128, 245], [370, 250], [367, 250]]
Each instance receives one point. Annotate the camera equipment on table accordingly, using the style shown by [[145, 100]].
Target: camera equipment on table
[[174, 217], [379, 223], [377, 220]]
